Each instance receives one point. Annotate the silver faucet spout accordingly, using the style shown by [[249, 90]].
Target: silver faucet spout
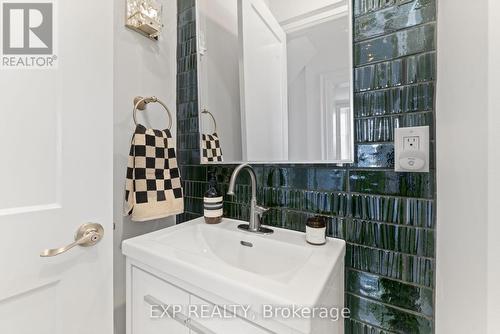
[[256, 211], [234, 176]]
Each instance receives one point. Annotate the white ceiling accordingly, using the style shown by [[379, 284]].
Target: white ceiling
[[284, 10]]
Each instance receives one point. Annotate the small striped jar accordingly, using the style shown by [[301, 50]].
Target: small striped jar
[[212, 209]]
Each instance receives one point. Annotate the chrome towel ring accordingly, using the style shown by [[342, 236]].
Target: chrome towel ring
[[205, 111], [140, 103]]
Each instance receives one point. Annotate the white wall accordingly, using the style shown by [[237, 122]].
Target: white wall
[[467, 187], [493, 170], [141, 67]]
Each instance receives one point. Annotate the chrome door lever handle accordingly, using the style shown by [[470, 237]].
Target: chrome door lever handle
[[86, 236]]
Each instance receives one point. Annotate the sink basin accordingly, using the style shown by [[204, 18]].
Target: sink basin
[[245, 268], [272, 258]]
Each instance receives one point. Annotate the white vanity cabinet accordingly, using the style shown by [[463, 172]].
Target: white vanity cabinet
[[148, 290], [158, 307], [177, 275]]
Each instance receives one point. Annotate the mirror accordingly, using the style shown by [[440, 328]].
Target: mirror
[[275, 81]]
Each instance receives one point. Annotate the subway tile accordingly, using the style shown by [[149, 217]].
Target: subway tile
[[366, 6], [193, 173], [194, 189], [186, 216], [335, 227], [392, 183], [402, 43], [185, 111], [334, 204], [186, 32], [243, 193], [378, 76], [321, 179], [375, 155], [396, 210], [274, 217], [187, 94], [403, 71], [381, 129], [194, 205], [185, 49], [355, 327], [188, 157], [273, 197], [420, 270], [188, 141], [183, 5], [406, 99], [410, 297], [236, 211], [420, 68], [187, 63], [394, 18], [404, 239], [296, 220], [380, 262], [188, 125], [407, 268], [186, 16], [223, 174], [387, 317], [187, 79], [327, 179], [325, 203]]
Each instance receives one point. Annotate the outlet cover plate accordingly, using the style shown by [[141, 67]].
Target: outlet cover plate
[[411, 146]]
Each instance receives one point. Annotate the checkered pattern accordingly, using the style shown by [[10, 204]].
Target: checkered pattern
[[152, 172], [210, 148]]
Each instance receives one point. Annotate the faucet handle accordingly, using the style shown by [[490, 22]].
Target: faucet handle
[[260, 210]]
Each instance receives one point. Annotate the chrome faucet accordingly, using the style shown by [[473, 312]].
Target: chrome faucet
[[256, 211]]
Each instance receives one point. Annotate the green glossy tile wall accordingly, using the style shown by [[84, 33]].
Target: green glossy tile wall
[[387, 218]]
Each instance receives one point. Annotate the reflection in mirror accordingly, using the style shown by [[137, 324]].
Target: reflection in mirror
[[276, 78]]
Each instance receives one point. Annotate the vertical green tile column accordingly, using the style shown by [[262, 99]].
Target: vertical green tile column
[[387, 218]]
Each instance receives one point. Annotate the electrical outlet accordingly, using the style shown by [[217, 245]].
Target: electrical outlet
[[411, 143], [411, 147]]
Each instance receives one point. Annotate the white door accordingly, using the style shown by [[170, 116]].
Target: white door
[[56, 174], [263, 83]]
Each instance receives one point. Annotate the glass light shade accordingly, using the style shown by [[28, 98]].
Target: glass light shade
[[144, 16]]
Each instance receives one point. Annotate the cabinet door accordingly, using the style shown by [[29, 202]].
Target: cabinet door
[[201, 312], [157, 306]]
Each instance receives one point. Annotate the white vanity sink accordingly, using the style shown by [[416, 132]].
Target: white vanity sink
[[277, 256], [224, 265]]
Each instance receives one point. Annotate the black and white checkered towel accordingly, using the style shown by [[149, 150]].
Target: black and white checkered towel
[[153, 186], [210, 148]]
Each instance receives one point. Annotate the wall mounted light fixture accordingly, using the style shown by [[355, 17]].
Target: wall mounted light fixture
[[145, 17]]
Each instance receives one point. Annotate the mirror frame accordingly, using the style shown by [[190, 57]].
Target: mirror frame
[[350, 9]]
